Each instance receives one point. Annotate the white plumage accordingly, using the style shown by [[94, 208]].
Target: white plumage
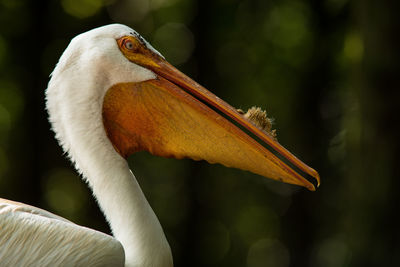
[[91, 64], [34, 237]]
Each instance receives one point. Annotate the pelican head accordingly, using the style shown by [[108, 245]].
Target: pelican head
[[117, 81]]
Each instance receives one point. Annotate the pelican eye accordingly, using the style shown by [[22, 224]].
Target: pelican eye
[[128, 45]]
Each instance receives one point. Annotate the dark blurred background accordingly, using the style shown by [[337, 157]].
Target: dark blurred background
[[326, 70]]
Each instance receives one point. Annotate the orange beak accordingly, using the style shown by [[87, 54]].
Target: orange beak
[[173, 116]]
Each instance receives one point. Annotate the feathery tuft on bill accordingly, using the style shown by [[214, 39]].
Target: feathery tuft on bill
[[259, 118]]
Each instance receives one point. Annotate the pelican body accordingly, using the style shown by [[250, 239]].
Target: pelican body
[[112, 94]]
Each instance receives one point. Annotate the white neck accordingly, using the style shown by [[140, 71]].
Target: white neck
[[131, 218], [74, 102]]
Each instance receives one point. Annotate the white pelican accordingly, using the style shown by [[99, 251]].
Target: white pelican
[[110, 95]]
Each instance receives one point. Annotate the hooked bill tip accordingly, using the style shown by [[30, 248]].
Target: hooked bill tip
[[316, 185]]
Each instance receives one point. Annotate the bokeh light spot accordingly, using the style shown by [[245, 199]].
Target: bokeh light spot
[[175, 41], [82, 8], [155, 4], [129, 11], [353, 47], [11, 4], [64, 192], [254, 222], [268, 253], [288, 32], [288, 29], [11, 104], [332, 253]]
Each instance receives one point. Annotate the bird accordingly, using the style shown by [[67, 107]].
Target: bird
[[110, 95]]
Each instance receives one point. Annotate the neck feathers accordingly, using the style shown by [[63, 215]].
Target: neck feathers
[[74, 100]]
